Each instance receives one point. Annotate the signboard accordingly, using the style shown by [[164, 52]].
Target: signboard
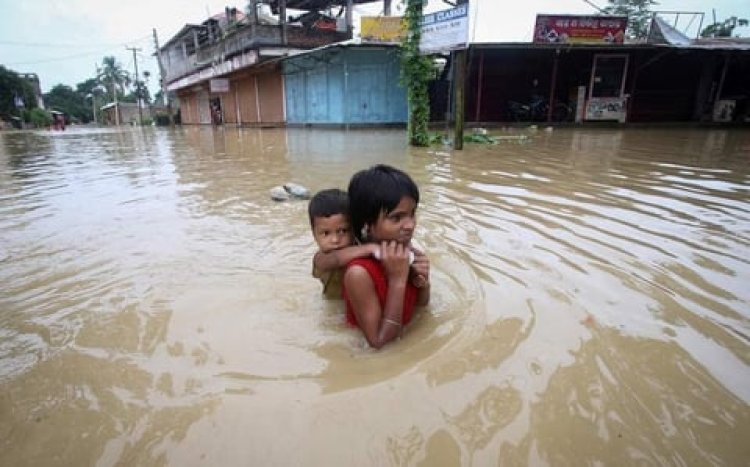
[[382, 28], [219, 85], [607, 108], [445, 30], [575, 29]]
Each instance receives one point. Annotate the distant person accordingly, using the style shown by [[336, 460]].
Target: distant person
[[381, 295], [216, 116], [329, 220]]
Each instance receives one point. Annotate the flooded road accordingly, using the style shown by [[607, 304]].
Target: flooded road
[[590, 302]]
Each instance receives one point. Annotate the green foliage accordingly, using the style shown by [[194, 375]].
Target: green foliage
[[416, 71], [70, 102], [139, 89], [113, 76], [724, 28], [12, 85], [40, 118], [638, 13]]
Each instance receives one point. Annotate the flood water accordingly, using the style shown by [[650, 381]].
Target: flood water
[[590, 302]]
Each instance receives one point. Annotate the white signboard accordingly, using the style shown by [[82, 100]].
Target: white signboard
[[219, 85], [607, 108], [445, 30]]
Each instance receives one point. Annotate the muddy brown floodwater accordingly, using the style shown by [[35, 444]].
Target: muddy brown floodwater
[[590, 302]]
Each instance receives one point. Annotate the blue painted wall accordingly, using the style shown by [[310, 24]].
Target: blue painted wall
[[343, 85]]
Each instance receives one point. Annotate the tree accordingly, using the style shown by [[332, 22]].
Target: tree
[[70, 102], [416, 71], [14, 90], [725, 28], [638, 13], [113, 76]]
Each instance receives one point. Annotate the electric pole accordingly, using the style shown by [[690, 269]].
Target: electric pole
[[137, 86]]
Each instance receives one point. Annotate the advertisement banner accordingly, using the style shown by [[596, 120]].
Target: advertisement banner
[[382, 28], [445, 30], [575, 29]]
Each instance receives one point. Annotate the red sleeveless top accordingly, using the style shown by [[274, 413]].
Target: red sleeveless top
[[377, 273]]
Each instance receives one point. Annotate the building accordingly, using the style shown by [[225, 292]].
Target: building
[[227, 69], [668, 78], [33, 80], [128, 113]]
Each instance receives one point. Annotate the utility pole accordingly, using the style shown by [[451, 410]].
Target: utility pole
[[163, 77], [137, 87]]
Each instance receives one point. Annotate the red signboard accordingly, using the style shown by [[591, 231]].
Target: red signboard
[[572, 29]]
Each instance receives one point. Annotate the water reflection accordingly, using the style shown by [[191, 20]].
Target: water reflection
[[589, 302]]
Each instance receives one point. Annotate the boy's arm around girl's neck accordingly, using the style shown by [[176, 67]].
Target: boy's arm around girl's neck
[[335, 259]]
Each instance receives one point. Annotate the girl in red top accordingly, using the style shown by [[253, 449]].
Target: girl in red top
[[380, 295]]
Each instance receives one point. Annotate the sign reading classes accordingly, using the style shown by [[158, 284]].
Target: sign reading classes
[[575, 29], [445, 30]]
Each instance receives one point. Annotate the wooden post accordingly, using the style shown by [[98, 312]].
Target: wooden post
[[458, 101], [480, 78], [720, 87], [551, 104], [349, 25], [386, 7], [282, 17]]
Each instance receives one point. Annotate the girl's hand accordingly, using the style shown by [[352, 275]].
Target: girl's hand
[[395, 259], [420, 269]]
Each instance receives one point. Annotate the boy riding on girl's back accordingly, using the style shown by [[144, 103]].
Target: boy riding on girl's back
[[329, 219]]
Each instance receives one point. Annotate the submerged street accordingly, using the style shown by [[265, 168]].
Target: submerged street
[[590, 301]]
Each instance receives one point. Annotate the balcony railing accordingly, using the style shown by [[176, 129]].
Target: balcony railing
[[245, 37]]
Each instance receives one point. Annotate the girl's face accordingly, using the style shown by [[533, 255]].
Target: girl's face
[[396, 225]]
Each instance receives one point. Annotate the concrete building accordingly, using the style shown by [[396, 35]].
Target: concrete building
[[128, 114]]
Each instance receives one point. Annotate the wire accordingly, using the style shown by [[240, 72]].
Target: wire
[[58, 59], [58, 44], [79, 55]]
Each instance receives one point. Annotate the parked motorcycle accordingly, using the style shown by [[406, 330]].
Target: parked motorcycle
[[537, 111]]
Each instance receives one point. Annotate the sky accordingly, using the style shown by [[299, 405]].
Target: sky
[[63, 41]]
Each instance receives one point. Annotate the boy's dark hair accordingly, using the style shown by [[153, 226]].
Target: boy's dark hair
[[326, 203], [375, 190]]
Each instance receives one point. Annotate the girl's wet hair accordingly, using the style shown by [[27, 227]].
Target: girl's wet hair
[[327, 203], [375, 190]]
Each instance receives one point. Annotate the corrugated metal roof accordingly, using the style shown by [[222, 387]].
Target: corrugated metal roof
[[356, 42]]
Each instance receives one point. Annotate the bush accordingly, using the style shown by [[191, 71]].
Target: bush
[[40, 118]]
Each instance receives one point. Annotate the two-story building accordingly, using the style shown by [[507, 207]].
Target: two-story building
[[227, 69]]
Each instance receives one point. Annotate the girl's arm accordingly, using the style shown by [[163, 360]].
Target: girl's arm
[[324, 262], [380, 325]]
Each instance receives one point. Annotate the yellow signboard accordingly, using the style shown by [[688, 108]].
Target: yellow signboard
[[382, 28]]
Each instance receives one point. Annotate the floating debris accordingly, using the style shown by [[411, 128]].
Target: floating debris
[[278, 193], [297, 190], [288, 191]]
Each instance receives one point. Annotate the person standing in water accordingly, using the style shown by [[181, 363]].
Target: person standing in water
[[381, 294]]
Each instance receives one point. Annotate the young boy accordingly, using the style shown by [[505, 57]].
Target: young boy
[[329, 220]]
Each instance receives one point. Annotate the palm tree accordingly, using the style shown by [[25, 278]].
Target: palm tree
[[113, 76]]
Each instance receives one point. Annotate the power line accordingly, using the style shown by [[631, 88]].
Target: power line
[[79, 55], [58, 44], [59, 59]]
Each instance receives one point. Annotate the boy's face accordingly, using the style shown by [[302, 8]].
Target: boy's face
[[332, 232]]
